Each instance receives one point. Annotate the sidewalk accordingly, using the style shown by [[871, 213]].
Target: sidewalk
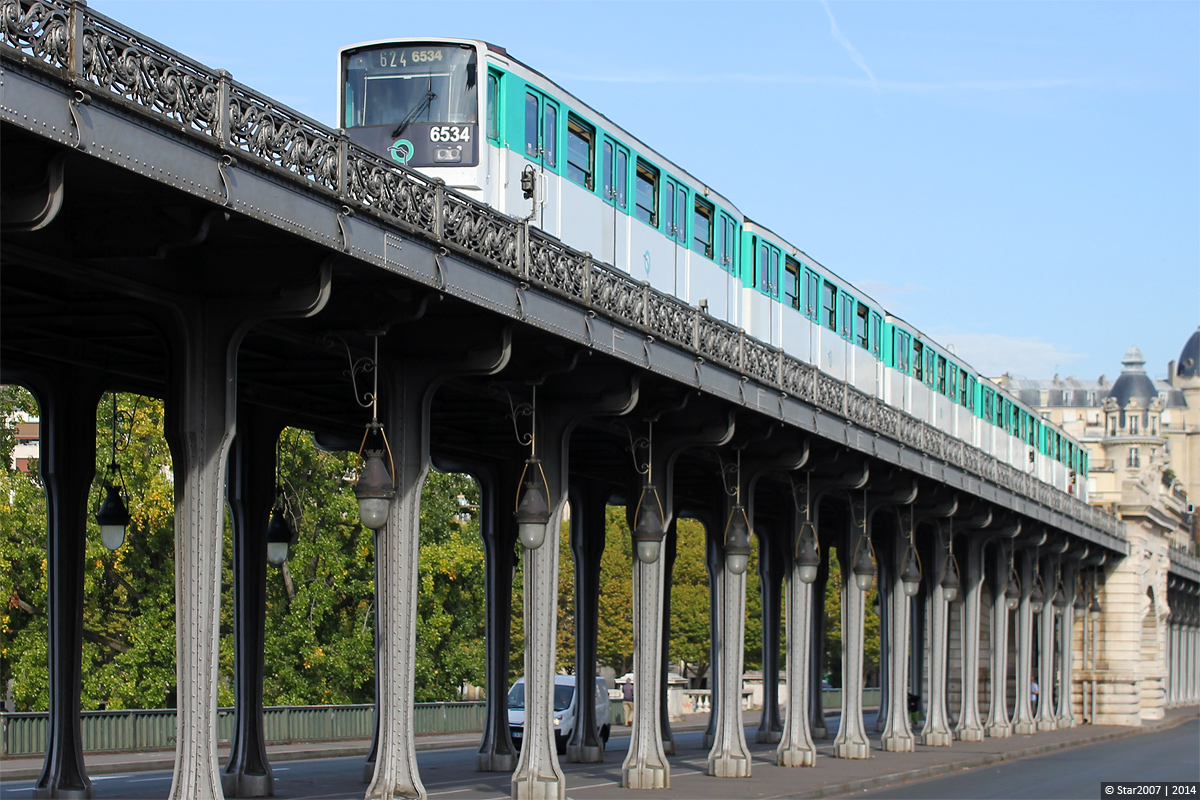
[[833, 777]]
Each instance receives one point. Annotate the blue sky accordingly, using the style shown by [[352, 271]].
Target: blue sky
[[1019, 179]]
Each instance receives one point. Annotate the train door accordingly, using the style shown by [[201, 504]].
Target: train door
[[541, 147], [727, 250], [675, 208], [614, 166]]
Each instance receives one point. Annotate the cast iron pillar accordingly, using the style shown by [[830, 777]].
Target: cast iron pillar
[[1023, 720], [772, 568], [410, 388], [936, 732], [1045, 717], [538, 775], [669, 553], [714, 562], [587, 547], [998, 725], [969, 727], [67, 403], [796, 747], [1066, 714], [897, 735], [250, 489], [851, 741], [816, 662], [729, 757]]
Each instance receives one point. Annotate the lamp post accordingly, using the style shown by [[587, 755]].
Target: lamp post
[[1012, 592], [805, 551], [375, 487], [532, 512], [950, 579], [910, 574], [113, 514], [864, 564], [737, 529], [279, 537], [648, 516]]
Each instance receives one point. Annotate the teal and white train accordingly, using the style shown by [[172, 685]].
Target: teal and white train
[[469, 113]]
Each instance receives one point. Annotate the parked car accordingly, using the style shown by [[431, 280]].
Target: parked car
[[566, 704]]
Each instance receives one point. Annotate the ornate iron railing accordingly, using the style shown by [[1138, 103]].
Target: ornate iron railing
[[91, 51]]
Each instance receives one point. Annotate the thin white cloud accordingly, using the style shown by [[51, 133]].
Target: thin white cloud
[[855, 56], [1009, 85], [994, 354]]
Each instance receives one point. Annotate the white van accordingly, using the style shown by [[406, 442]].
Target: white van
[[565, 705]]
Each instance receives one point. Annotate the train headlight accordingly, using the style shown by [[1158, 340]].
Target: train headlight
[[447, 154]]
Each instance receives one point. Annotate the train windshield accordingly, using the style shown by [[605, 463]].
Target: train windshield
[[410, 84]]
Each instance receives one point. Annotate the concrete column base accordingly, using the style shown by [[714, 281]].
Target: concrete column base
[[585, 754], [1024, 728], [969, 735], [1047, 725], [852, 750], [937, 739], [998, 731], [795, 757], [729, 765], [646, 776], [897, 744]]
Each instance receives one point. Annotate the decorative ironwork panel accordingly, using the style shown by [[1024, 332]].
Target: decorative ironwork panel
[[829, 392], [718, 341], [670, 319], [283, 137], [479, 230], [553, 264], [760, 361], [401, 194], [617, 294], [861, 408], [41, 30], [888, 421], [797, 379], [154, 77]]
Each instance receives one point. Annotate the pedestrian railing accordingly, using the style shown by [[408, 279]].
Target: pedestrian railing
[[149, 729]]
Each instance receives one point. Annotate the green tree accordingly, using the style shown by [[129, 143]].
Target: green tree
[[690, 634]]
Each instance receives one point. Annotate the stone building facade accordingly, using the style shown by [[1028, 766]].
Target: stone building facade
[[1143, 438]]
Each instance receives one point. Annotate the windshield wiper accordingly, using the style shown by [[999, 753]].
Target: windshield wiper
[[419, 109]]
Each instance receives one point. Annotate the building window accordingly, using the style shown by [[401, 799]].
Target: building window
[[1135, 460]]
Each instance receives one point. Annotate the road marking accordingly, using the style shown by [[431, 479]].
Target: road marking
[[148, 780]]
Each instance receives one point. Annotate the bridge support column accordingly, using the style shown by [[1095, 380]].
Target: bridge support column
[[936, 732], [729, 756], [714, 562], [885, 581], [1023, 721], [816, 664], [897, 735], [969, 727], [771, 569], [669, 553], [851, 741], [538, 775], [998, 725], [67, 404], [497, 485], [587, 546], [1066, 714], [1045, 717], [796, 747], [251, 482], [646, 765]]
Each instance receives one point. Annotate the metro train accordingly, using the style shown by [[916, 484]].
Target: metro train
[[467, 112]]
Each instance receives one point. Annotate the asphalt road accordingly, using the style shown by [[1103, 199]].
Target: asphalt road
[[1171, 755], [450, 774]]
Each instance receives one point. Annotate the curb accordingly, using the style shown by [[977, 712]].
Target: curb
[[973, 762]]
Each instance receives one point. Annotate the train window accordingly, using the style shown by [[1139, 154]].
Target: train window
[[941, 374], [532, 148], [929, 367], [401, 86], [646, 194], [581, 151], [550, 135], [676, 208], [847, 316], [727, 244], [702, 227], [900, 343], [810, 294], [622, 178], [829, 305], [876, 335], [759, 268], [791, 283], [862, 333], [769, 279], [952, 383], [493, 106], [919, 361], [987, 404]]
